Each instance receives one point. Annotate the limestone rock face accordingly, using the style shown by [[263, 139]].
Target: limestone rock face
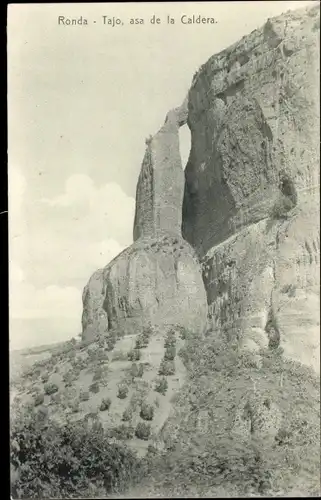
[[158, 279], [251, 202], [94, 317], [160, 187]]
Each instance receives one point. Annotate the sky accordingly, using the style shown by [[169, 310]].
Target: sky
[[81, 101]]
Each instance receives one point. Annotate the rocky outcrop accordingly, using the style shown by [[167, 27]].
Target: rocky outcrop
[[94, 316], [251, 200], [158, 278], [160, 187]]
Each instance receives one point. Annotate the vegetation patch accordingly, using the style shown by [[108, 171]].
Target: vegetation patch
[[127, 414], [94, 388], [170, 353], [134, 355], [105, 404], [161, 386], [166, 368], [50, 461], [50, 388], [123, 432], [143, 431], [122, 392], [147, 412]]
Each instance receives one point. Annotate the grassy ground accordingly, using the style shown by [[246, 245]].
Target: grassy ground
[[86, 375], [230, 424]]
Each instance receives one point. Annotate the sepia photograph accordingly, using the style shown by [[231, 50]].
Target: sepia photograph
[[164, 249]]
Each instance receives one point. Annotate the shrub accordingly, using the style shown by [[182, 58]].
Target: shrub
[[134, 355], [127, 415], [101, 342], [111, 342], [84, 396], [142, 431], [147, 412], [182, 332], [74, 461], [141, 343], [123, 432], [161, 386], [170, 353], [105, 404], [122, 392], [167, 368], [137, 371], [39, 399], [170, 339], [50, 388], [143, 338], [94, 388]]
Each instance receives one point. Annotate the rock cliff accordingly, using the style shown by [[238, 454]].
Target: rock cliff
[[158, 278], [251, 203]]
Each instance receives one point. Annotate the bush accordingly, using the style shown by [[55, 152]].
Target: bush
[[143, 338], [123, 432], [161, 386], [105, 404], [101, 342], [182, 332], [94, 388], [170, 340], [137, 371], [122, 392], [142, 431], [111, 342], [147, 412], [84, 396], [141, 342], [127, 415], [170, 353], [134, 355], [73, 461], [39, 399], [166, 368], [50, 388]]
